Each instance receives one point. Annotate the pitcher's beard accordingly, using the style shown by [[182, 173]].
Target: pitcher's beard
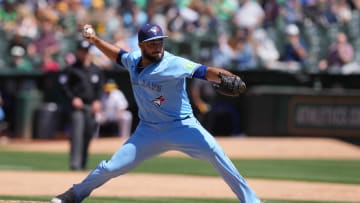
[[151, 58]]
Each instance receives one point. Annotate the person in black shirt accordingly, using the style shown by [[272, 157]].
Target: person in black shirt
[[82, 84]]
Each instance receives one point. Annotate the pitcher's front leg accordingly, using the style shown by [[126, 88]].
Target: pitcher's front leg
[[132, 153]]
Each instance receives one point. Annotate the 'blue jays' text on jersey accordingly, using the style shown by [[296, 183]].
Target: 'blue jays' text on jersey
[[160, 88]]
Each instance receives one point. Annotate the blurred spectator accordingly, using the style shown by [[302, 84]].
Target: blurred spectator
[[224, 9], [156, 12], [342, 11], [222, 54], [67, 18], [355, 4], [120, 39], [271, 10], [237, 52], [181, 19], [18, 59], [44, 49], [8, 15], [175, 23], [207, 19], [266, 50], [312, 11], [17, 55], [321, 12], [81, 12], [134, 16], [340, 54], [113, 22], [292, 12], [295, 51], [243, 50], [249, 15], [99, 59], [328, 12], [114, 109], [27, 25], [97, 16], [192, 17]]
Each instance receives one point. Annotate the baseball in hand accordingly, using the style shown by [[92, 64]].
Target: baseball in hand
[[88, 31]]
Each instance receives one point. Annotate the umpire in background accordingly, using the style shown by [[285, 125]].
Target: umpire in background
[[82, 84]]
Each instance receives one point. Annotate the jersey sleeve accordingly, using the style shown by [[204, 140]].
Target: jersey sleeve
[[120, 57], [186, 67], [128, 59]]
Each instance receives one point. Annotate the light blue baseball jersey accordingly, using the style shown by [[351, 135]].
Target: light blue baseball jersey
[[166, 124], [160, 88]]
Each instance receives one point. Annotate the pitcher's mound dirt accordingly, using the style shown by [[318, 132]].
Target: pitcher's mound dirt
[[151, 185], [17, 201]]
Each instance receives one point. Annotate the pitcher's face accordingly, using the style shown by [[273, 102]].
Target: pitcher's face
[[152, 50]]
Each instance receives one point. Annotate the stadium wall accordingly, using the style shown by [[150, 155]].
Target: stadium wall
[[276, 103]]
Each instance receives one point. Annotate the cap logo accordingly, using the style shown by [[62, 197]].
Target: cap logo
[[154, 30], [150, 32]]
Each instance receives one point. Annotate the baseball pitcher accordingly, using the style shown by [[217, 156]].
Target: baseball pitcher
[[167, 122]]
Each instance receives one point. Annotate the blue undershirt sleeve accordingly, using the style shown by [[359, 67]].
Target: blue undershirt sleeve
[[200, 72]]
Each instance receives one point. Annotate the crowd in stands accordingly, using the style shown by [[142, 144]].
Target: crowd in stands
[[289, 35]]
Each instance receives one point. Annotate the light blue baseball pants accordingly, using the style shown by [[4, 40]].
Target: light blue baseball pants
[[149, 140]]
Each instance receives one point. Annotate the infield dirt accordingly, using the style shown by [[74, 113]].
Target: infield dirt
[[151, 185]]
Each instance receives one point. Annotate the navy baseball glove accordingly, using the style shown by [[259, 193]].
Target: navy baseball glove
[[230, 85]]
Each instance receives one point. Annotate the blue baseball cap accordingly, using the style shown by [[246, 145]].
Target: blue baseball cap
[[150, 32]]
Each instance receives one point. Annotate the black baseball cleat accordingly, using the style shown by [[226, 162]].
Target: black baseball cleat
[[66, 197]]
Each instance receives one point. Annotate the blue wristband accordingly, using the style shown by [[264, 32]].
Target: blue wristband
[[200, 72]]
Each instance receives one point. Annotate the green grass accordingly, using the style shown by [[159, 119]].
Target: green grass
[[154, 200], [340, 171]]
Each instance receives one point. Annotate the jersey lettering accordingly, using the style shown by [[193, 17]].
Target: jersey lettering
[[147, 84]]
